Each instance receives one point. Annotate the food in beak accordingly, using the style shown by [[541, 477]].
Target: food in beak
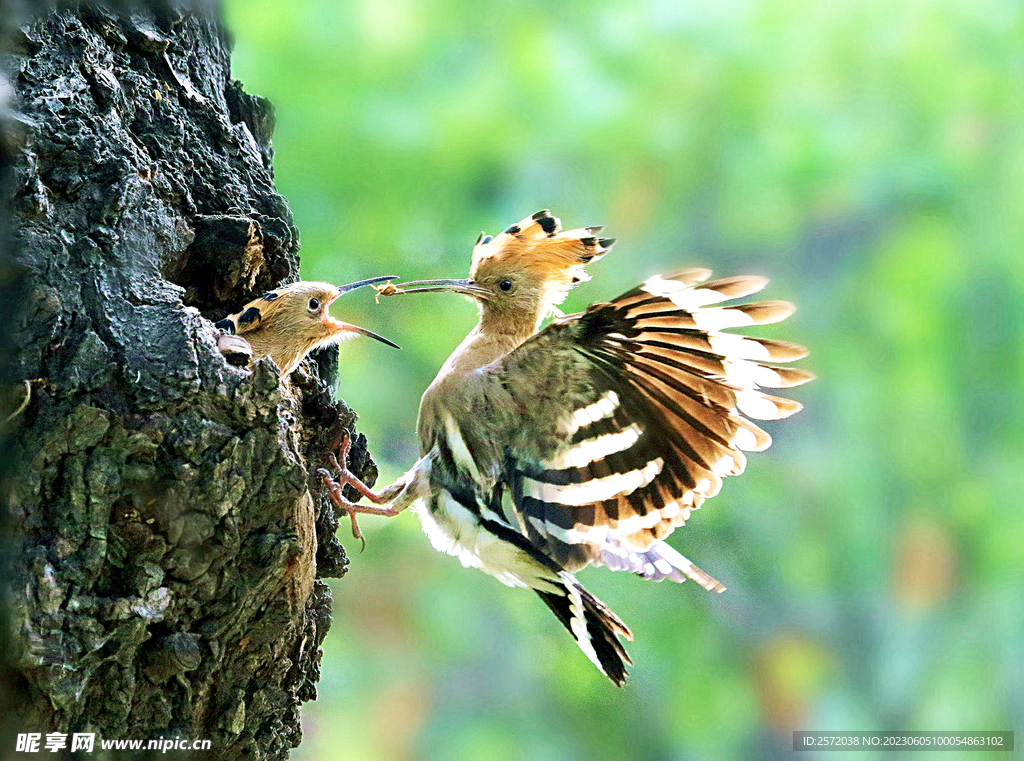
[[388, 289], [465, 287], [344, 327], [369, 281]]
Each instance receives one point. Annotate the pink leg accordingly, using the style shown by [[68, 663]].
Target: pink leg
[[334, 489], [348, 477]]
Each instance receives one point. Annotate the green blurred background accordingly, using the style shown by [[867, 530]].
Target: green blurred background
[[869, 158]]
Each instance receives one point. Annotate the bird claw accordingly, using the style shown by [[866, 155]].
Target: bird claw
[[334, 488], [334, 491], [340, 461], [343, 444]]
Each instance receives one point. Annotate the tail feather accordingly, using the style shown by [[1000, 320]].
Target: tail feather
[[594, 626]]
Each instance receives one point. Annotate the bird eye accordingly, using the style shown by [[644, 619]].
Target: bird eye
[[314, 304], [505, 285]]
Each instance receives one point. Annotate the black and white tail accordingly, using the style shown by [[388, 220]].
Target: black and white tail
[[594, 626]]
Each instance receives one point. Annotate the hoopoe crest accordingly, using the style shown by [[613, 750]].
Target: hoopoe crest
[[542, 262]]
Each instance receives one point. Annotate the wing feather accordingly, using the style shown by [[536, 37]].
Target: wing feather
[[645, 408]]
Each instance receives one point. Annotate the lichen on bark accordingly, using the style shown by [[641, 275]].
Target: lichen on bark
[[165, 528]]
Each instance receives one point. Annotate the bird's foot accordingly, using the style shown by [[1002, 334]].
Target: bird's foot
[[334, 492], [347, 477]]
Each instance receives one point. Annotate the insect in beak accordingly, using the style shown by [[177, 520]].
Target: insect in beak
[[465, 287], [360, 283], [338, 326]]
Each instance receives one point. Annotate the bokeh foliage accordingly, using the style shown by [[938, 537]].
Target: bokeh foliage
[[867, 156]]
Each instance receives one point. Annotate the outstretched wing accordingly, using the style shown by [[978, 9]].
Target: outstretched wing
[[636, 411]]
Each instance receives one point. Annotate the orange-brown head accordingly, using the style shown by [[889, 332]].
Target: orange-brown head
[[521, 275], [287, 323]]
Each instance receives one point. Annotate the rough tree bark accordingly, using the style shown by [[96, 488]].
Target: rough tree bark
[[164, 526]]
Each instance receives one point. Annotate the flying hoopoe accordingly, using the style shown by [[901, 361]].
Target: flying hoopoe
[[590, 441], [287, 323]]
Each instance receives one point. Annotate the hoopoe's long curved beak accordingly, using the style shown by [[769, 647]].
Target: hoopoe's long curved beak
[[346, 327], [465, 287]]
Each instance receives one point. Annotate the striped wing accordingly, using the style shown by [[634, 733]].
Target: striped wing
[[636, 411]]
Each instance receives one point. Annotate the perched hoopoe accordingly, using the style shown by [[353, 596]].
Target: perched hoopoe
[[590, 441], [287, 323]]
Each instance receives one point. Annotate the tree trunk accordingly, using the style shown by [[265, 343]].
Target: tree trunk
[[165, 528]]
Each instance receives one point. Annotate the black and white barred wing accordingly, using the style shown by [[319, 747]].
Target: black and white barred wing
[[643, 405]]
